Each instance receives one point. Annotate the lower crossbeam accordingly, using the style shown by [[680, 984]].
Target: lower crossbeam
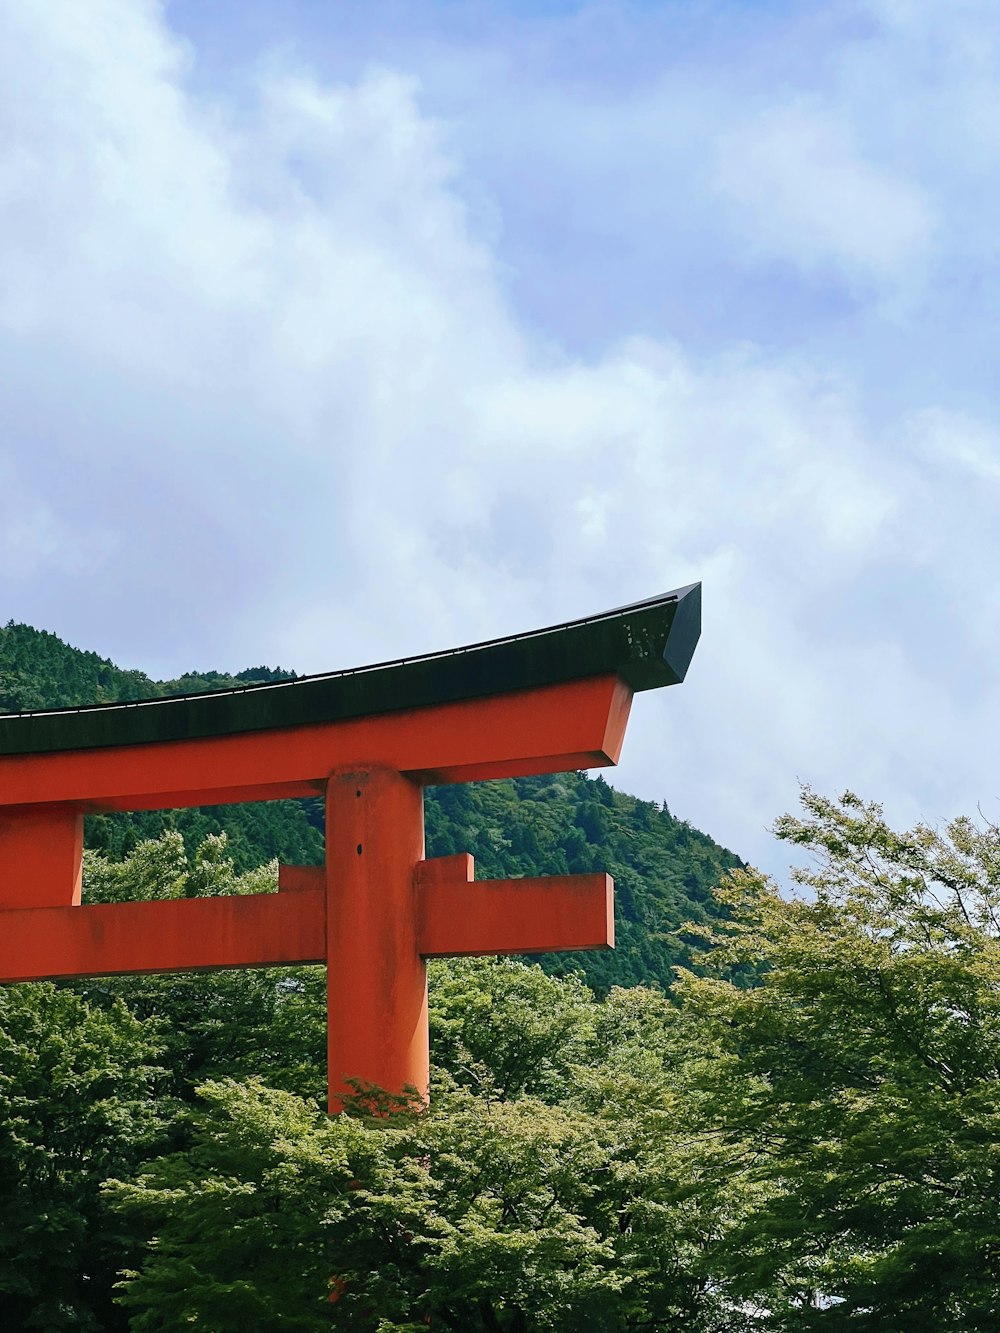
[[454, 916], [556, 913], [163, 936]]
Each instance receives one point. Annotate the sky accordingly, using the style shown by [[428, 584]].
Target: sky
[[332, 332]]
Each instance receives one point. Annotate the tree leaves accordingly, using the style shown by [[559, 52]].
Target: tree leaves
[[801, 1134], [77, 1089], [864, 1069]]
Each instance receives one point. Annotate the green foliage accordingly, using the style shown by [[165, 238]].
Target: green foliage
[[507, 1029], [38, 670], [562, 1188], [161, 868], [268, 1021], [286, 831], [665, 871], [77, 1104], [859, 1083], [242, 1215], [247, 1022]]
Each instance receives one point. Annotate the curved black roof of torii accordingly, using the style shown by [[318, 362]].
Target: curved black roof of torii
[[648, 644]]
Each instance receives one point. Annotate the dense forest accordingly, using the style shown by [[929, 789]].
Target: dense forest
[[763, 1113]]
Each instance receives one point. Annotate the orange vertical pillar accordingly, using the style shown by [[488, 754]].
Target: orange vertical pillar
[[377, 980], [41, 856]]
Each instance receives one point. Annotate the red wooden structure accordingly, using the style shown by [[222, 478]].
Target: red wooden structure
[[370, 740]]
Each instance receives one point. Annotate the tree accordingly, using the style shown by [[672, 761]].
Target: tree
[[240, 1023], [562, 1197], [857, 1085], [76, 1105], [477, 1216], [242, 1215], [506, 1029]]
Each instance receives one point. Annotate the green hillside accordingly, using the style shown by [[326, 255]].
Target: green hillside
[[799, 1137], [664, 869], [39, 670]]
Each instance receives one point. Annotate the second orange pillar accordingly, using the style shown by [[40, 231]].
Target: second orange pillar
[[377, 980]]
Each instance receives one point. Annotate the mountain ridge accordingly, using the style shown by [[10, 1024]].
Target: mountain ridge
[[665, 869]]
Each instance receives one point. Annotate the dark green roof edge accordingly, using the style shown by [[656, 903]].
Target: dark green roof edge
[[648, 644]]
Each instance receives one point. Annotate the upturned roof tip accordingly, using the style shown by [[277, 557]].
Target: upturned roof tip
[[648, 644]]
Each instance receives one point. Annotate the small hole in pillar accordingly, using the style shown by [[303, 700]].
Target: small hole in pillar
[[359, 848], [358, 792]]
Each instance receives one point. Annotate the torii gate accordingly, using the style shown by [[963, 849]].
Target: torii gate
[[370, 739]]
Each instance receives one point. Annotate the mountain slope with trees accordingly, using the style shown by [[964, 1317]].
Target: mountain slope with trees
[[794, 1134], [665, 871]]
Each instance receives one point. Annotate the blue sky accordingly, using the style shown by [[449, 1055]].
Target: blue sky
[[331, 332]]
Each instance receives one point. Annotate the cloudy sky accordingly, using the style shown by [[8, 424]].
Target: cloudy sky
[[333, 330]]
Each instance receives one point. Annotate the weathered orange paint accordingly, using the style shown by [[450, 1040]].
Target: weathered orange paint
[[453, 916], [619, 708], [458, 869], [460, 915], [578, 724], [377, 909], [296, 879], [41, 856], [376, 977], [171, 936], [555, 913]]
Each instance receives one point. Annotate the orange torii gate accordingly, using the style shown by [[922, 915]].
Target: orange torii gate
[[369, 739]]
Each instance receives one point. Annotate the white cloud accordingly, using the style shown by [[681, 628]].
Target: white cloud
[[808, 196], [947, 439], [267, 400]]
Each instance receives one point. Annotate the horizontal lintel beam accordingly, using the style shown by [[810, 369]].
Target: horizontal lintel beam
[[174, 935], [552, 914], [456, 916], [578, 724]]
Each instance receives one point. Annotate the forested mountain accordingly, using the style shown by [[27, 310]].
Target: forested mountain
[[797, 1134], [664, 869], [38, 670]]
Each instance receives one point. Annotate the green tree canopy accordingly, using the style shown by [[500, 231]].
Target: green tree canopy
[[239, 1023], [77, 1104], [858, 1084]]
